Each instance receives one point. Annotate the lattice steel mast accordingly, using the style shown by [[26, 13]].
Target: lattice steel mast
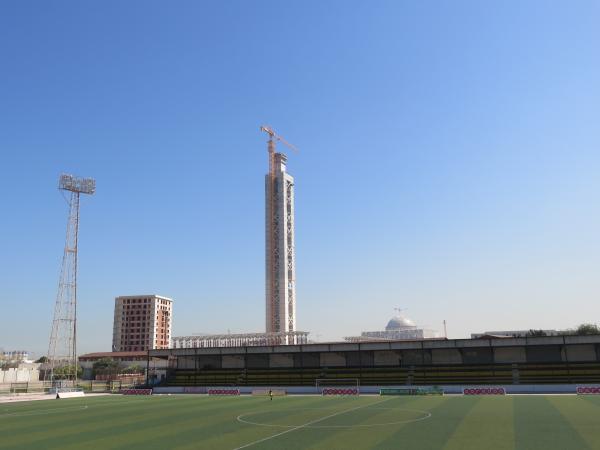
[[62, 349]]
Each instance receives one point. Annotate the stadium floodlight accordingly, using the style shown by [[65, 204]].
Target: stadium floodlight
[[62, 348], [77, 184]]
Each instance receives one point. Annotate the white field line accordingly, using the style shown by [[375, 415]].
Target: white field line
[[312, 422], [426, 415]]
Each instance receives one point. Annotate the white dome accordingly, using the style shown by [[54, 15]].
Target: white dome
[[399, 323]]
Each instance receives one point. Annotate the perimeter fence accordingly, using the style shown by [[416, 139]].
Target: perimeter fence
[[47, 387]]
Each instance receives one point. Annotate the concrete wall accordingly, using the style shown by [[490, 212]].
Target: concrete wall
[[233, 362], [546, 353], [258, 361], [186, 362], [20, 375], [386, 358], [310, 359], [209, 361], [479, 355], [446, 356], [586, 352], [416, 357], [334, 359], [510, 355], [281, 360]]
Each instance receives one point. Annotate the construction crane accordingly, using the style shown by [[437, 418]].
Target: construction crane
[[273, 138]]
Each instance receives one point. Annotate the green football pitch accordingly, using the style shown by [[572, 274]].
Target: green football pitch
[[304, 422]]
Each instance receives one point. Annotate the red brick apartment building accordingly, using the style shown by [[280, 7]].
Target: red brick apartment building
[[142, 322]]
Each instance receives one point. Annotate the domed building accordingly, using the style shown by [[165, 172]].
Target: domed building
[[398, 327], [400, 323]]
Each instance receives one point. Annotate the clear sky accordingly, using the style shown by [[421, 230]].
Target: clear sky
[[449, 161]]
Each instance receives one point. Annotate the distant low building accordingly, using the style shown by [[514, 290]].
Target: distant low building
[[23, 373], [398, 328], [241, 340], [15, 356], [516, 333]]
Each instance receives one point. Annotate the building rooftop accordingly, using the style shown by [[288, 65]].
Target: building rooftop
[[99, 355], [162, 297]]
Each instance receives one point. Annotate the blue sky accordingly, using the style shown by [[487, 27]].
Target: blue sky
[[449, 160]]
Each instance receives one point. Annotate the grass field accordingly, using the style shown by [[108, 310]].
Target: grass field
[[367, 422]]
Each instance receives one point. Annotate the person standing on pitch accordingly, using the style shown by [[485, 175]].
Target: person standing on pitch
[[271, 394]]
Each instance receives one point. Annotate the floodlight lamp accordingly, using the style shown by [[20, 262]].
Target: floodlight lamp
[[77, 184]]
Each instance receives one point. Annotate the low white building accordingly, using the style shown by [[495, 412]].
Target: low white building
[[15, 356], [24, 373], [398, 328], [516, 333]]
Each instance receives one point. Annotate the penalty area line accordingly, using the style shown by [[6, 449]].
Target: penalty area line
[[312, 422]]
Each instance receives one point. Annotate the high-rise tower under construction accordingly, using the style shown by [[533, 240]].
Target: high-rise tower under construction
[[280, 252]]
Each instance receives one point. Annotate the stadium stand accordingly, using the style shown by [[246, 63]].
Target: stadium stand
[[539, 360]]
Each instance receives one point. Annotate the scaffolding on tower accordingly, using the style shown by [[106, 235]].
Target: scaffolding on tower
[[62, 348]]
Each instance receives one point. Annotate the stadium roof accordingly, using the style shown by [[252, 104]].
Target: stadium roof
[[120, 355]]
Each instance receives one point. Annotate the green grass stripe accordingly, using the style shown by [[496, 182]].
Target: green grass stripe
[[224, 432], [582, 415], [347, 413], [197, 419], [540, 426], [192, 422], [61, 426], [368, 437], [593, 399], [122, 417], [293, 413], [166, 421], [165, 433], [51, 414], [489, 424], [447, 414], [49, 420]]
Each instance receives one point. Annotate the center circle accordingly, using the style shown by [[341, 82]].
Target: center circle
[[254, 418]]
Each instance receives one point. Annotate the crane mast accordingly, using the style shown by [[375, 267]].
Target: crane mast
[[274, 137]]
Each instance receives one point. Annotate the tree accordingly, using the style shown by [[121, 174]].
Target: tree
[[136, 368], [106, 366], [66, 372], [536, 333], [43, 360], [9, 364], [587, 329]]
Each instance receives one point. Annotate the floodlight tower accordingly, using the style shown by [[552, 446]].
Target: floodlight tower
[[62, 349]]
